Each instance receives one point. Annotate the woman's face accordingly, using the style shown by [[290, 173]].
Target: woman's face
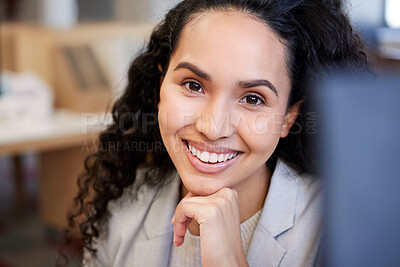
[[223, 102]]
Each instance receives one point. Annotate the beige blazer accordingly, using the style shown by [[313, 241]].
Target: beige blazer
[[288, 232]]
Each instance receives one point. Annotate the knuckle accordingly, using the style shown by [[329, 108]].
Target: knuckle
[[229, 194], [181, 208], [214, 211], [235, 194], [184, 200], [222, 201], [184, 209], [225, 191]]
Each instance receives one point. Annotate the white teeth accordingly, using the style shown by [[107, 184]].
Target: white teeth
[[210, 157], [205, 156], [226, 157], [221, 158], [213, 158]]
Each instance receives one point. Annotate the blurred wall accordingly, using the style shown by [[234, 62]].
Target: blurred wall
[[32, 10], [29, 10], [95, 9], [366, 13], [139, 10], [362, 12], [126, 10]]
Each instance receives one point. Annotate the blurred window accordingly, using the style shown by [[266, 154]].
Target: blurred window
[[392, 11]]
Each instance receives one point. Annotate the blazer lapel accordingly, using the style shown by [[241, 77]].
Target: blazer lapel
[[264, 250], [155, 251], [276, 218]]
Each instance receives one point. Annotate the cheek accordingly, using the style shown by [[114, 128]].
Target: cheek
[[265, 124], [175, 111], [261, 132]]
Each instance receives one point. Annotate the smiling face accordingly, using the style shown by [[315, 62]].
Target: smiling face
[[223, 102]]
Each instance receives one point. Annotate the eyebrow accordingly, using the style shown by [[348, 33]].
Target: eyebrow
[[241, 84]]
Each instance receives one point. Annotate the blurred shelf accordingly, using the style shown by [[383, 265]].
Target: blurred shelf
[[62, 144], [85, 65], [65, 129]]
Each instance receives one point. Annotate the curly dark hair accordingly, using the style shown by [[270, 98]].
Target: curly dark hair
[[317, 34]]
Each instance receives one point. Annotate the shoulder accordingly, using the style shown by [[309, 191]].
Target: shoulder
[[303, 180], [133, 218], [309, 201], [306, 189], [301, 240], [292, 193]]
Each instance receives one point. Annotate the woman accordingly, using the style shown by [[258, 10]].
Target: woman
[[223, 177]]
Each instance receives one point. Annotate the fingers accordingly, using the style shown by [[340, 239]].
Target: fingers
[[219, 225], [184, 213], [201, 209]]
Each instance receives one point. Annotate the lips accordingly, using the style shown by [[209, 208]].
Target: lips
[[210, 159]]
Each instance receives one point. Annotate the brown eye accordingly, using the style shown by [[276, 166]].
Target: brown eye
[[193, 86], [253, 100]]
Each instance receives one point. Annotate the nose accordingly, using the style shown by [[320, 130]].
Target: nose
[[214, 120]]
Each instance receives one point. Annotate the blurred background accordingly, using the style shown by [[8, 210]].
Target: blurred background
[[62, 63]]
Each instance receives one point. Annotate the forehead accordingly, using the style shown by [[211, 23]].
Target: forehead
[[232, 41]]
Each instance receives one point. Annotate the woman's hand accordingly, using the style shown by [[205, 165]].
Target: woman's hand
[[219, 222]]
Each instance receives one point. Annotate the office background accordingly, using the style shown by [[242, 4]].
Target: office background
[[43, 38]]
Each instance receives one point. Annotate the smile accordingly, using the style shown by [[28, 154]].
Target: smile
[[208, 159]]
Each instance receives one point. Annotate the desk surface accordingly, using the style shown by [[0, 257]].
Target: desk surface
[[65, 129]]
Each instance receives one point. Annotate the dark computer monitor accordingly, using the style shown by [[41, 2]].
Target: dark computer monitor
[[359, 127]]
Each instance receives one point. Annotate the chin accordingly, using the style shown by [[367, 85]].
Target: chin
[[202, 188]]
